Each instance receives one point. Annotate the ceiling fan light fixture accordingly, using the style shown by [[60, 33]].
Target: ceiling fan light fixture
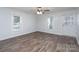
[[39, 12]]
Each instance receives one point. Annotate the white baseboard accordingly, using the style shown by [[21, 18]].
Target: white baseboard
[[12, 36]]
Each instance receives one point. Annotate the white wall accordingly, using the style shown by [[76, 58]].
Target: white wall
[[77, 25], [27, 23], [58, 28]]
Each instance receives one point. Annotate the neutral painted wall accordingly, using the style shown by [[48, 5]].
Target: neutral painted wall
[[77, 25], [27, 23], [58, 21]]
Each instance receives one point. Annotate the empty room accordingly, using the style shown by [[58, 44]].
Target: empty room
[[39, 29]]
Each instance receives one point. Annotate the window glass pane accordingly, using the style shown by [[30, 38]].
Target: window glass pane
[[50, 22], [16, 20]]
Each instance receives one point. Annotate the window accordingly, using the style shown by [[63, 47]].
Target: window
[[50, 22], [68, 20], [16, 23]]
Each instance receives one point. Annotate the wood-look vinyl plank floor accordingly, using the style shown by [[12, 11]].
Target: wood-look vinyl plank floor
[[40, 42]]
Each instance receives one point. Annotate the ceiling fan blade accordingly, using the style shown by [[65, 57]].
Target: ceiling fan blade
[[39, 7], [46, 10]]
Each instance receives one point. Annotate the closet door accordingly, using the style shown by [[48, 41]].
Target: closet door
[[69, 24]]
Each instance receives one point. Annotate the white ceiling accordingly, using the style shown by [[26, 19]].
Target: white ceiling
[[33, 9]]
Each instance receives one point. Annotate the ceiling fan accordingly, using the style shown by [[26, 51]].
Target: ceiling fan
[[41, 10]]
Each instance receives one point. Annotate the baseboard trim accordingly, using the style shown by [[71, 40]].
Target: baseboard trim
[[17, 36]]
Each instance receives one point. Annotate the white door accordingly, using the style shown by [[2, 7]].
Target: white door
[[68, 25]]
